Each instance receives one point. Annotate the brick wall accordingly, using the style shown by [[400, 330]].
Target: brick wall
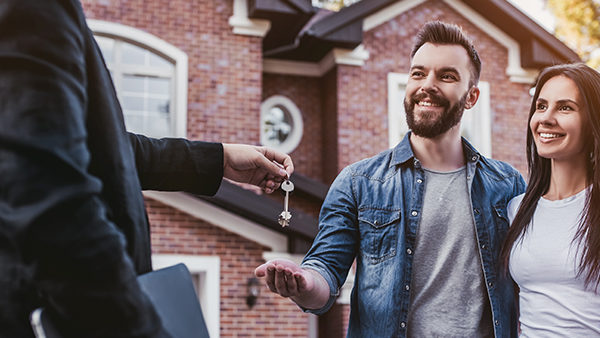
[[174, 232], [305, 92], [225, 70]]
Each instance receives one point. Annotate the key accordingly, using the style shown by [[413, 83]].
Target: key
[[285, 216]]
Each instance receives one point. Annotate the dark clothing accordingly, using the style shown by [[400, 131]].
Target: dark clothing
[[73, 227]]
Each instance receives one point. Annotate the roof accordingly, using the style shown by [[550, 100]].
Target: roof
[[344, 29], [264, 210]]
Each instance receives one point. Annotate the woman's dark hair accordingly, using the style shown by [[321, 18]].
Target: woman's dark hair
[[437, 32], [588, 232]]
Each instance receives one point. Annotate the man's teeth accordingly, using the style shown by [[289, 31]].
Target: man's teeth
[[428, 104], [548, 135]]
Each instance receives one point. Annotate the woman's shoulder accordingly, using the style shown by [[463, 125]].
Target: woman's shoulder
[[513, 206]]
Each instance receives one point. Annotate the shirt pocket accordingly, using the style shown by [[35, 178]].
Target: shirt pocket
[[378, 233]]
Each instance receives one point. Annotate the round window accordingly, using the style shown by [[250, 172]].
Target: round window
[[281, 124]]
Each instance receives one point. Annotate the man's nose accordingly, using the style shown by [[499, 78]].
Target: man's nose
[[429, 84]]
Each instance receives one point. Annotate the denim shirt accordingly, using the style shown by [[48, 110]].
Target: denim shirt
[[372, 213]]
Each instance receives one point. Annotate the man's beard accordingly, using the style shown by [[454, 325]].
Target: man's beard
[[428, 126]]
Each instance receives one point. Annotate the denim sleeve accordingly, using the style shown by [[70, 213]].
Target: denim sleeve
[[50, 206], [173, 164], [520, 185], [336, 244]]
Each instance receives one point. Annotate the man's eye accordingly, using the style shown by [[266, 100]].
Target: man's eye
[[417, 74], [449, 77]]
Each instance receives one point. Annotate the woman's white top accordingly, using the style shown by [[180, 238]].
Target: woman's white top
[[553, 301]]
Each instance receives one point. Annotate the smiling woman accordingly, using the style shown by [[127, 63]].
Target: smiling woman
[[552, 249]]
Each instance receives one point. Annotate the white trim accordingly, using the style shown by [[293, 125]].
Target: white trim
[[397, 126], [478, 121], [346, 289], [337, 56], [242, 25], [295, 135], [270, 255], [388, 13], [221, 218], [208, 270], [150, 41], [514, 69], [286, 67]]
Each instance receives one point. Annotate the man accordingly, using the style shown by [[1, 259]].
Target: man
[[73, 228], [425, 220]]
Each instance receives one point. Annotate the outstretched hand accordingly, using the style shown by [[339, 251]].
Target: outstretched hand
[[285, 278], [260, 166], [304, 286]]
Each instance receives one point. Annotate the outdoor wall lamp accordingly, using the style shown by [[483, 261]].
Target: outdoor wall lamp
[[253, 291]]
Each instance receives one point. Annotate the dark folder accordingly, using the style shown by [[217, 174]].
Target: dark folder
[[170, 290]]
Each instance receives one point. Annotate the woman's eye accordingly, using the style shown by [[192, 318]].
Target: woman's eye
[[540, 106], [565, 108]]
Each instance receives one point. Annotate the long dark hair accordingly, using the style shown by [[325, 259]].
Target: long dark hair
[[588, 233]]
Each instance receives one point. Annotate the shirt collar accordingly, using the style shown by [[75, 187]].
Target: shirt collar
[[403, 152]]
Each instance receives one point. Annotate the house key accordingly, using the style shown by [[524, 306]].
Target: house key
[[285, 216]]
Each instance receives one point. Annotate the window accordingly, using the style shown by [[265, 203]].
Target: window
[[476, 122], [143, 80], [280, 124], [150, 77]]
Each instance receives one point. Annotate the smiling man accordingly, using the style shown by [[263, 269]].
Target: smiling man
[[424, 221]]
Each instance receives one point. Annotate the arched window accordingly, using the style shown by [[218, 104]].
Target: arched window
[[150, 77]]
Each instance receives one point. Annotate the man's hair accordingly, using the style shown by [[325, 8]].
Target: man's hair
[[442, 33]]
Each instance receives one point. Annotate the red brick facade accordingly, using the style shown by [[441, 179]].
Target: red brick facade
[[345, 116], [174, 232]]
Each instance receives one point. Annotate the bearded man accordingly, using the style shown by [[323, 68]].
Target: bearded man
[[425, 220]]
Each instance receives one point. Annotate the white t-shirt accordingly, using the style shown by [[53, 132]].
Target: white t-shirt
[[553, 301]]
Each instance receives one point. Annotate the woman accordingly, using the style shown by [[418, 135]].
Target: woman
[[552, 248]]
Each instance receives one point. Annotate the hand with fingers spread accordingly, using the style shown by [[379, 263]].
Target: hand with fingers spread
[[260, 166], [306, 287]]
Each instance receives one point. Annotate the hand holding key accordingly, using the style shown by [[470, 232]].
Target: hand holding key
[[285, 216]]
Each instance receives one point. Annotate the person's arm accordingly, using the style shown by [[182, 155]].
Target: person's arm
[[51, 209], [175, 164], [317, 282]]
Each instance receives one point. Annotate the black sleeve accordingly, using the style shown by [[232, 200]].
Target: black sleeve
[[173, 164], [50, 206]]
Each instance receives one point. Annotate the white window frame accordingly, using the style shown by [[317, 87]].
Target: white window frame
[[163, 48], [295, 136], [207, 270], [477, 119]]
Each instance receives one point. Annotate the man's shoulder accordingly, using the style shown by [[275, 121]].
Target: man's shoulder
[[374, 166], [498, 169]]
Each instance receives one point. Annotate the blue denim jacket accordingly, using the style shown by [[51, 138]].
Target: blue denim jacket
[[372, 213]]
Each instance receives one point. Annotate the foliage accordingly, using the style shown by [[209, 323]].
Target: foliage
[[578, 25]]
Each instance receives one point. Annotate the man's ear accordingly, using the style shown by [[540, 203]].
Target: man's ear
[[472, 96]]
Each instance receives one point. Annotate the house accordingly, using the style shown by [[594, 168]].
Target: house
[[327, 87]]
